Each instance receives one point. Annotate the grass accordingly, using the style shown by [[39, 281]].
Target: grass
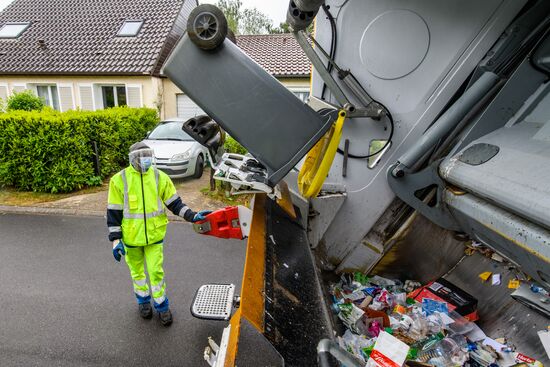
[[14, 197], [222, 195]]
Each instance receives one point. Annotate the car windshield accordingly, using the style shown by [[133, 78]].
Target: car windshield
[[169, 131]]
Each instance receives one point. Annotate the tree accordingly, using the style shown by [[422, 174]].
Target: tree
[[282, 28], [244, 21], [285, 28], [232, 11], [255, 22]]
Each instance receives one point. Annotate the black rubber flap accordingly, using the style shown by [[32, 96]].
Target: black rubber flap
[[276, 127], [254, 349], [296, 315]]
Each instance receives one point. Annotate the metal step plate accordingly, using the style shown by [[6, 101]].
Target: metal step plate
[[213, 302]]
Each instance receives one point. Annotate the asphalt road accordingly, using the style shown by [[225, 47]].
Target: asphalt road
[[66, 302]]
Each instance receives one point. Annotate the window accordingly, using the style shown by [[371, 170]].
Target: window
[[113, 95], [303, 95], [49, 95], [130, 28], [169, 131], [12, 30]]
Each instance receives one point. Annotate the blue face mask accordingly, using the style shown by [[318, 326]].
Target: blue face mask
[[145, 163]]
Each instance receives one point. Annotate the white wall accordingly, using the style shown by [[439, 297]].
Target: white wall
[[84, 92]]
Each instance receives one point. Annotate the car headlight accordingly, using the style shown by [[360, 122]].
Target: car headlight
[[181, 156]]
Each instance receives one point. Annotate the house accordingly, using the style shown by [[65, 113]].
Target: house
[[96, 54], [89, 54]]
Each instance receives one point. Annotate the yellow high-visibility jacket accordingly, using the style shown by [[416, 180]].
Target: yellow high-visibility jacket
[[136, 206]]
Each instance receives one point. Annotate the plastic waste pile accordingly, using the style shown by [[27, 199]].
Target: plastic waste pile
[[394, 323]]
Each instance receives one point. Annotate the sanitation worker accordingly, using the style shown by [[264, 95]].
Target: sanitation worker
[[137, 222]]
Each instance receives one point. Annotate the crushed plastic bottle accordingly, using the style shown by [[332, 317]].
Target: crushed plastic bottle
[[435, 323], [419, 325], [356, 344], [428, 342], [447, 352]]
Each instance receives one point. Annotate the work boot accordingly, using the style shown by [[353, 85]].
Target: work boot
[[165, 318], [145, 310]]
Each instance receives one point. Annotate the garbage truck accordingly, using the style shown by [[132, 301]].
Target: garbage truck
[[427, 133]]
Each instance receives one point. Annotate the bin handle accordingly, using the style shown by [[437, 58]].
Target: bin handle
[[319, 159]]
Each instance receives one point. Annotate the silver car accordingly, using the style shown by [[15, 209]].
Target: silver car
[[176, 153]]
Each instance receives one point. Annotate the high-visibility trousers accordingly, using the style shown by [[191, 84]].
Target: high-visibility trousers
[[153, 257]]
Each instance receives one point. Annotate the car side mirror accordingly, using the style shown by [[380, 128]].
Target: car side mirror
[[147, 133]]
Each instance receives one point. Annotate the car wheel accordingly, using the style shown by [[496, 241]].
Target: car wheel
[[207, 26], [199, 166]]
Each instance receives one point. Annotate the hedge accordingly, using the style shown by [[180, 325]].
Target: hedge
[[232, 146], [49, 151]]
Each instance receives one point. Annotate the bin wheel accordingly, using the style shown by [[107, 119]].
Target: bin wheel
[[207, 26]]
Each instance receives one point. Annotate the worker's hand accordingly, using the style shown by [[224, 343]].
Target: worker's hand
[[200, 216], [118, 249]]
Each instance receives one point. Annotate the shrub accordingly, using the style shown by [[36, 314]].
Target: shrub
[[232, 146], [25, 101], [49, 151]]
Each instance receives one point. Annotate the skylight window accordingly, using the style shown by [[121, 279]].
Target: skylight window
[[130, 28], [12, 30]]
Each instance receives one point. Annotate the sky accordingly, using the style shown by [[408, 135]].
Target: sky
[[275, 9], [4, 3]]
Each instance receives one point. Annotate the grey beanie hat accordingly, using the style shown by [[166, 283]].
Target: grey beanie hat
[[139, 145]]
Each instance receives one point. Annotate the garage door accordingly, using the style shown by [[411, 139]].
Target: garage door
[[187, 108]]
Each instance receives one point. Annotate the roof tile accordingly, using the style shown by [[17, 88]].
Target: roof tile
[[80, 36], [279, 54]]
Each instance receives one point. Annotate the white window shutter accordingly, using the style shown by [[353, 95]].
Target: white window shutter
[[133, 95], [18, 88], [86, 97], [3, 91], [98, 97], [66, 98]]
